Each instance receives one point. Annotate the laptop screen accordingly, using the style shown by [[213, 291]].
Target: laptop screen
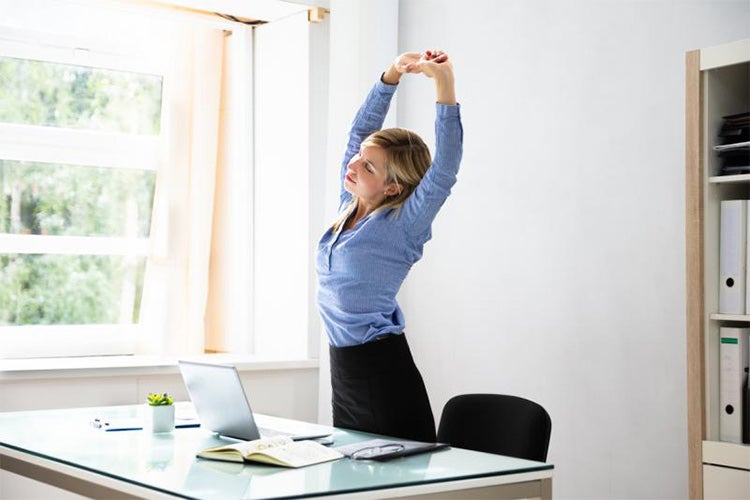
[[219, 399], [222, 406]]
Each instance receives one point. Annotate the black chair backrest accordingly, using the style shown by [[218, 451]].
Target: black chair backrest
[[496, 423]]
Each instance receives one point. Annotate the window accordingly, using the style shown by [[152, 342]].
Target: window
[[80, 132], [137, 215]]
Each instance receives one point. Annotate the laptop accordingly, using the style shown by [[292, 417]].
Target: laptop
[[221, 404]]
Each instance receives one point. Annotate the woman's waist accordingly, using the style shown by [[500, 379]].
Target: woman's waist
[[351, 329], [382, 354]]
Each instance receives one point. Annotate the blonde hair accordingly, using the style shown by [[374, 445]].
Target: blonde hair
[[407, 159]]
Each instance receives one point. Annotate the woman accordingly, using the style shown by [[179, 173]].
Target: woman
[[390, 194]]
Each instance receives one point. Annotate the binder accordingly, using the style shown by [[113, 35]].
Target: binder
[[733, 257], [733, 366]]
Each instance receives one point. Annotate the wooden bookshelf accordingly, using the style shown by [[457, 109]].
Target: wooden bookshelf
[[717, 84]]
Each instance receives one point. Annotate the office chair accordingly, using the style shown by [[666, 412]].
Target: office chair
[[496, 423]]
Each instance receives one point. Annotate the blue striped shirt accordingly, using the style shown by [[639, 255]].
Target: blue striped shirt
[[360, 270]]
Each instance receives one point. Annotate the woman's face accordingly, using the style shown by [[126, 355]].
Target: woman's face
[[366, 176]]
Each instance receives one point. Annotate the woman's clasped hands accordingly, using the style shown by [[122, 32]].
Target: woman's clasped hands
[[433, 63]]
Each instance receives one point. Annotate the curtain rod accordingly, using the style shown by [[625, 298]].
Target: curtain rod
[[223, 21]]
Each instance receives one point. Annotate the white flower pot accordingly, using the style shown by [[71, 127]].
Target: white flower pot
[[159, 418]]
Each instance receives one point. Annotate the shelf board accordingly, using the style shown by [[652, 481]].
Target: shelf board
[[719, 179], [726, 454], [724, 55], [730, 317]]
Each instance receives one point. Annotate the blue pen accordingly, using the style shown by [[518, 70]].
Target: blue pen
[[107, 426], [101, 424]]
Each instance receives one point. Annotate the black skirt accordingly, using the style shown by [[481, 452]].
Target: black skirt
[[377, 388]]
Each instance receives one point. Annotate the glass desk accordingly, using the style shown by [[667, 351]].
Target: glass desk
[[61, 448]]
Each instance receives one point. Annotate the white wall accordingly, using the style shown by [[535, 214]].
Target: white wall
[[556, 271]]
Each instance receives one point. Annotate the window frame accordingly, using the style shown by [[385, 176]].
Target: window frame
[[35, 143]]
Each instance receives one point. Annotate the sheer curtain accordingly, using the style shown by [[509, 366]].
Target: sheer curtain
[[209, 236], [177, 278], [230, 305]]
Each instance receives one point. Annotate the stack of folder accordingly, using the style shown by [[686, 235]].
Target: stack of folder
[[734, 348], [734, 150]]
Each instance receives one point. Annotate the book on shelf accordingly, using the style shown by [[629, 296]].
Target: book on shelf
[[278, 450]]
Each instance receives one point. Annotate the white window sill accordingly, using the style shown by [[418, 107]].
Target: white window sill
[[98, 366]]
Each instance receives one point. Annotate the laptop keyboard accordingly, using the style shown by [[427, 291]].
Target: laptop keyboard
[[266, 432]]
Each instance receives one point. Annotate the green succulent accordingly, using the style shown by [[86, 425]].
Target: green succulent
[[159, 399]]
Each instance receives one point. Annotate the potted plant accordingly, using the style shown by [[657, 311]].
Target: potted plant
[[159, 412]]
